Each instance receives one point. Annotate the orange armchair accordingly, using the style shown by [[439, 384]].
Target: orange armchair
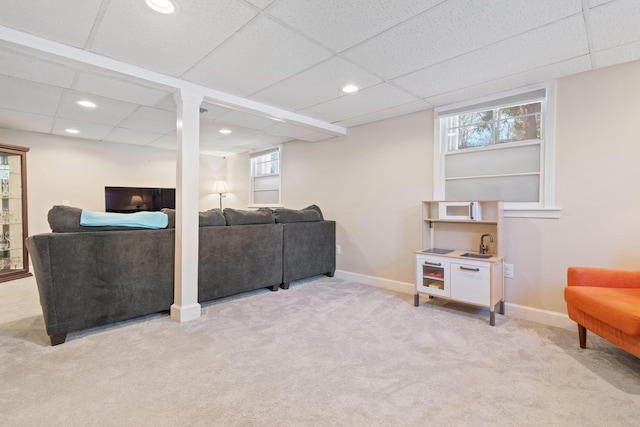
[[606, 302]]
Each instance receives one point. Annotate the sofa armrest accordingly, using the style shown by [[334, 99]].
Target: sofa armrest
[[603, 277]]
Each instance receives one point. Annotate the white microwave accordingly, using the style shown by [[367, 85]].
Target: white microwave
[[460, 210]]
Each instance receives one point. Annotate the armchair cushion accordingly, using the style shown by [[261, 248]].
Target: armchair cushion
[[613, 306]]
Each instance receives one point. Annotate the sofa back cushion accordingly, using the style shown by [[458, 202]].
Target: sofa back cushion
[[66, 219], [244, 217], [212, 217], [309, 214]]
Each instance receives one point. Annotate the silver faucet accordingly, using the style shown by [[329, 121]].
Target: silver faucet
[[483, 247]]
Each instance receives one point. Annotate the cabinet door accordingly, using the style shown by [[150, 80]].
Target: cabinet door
[[432, 275], [471, 283], [14, 262]]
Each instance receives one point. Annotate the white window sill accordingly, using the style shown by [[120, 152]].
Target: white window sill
[[553, 213]]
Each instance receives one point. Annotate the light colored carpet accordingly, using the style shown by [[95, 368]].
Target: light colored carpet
[[323, 353]]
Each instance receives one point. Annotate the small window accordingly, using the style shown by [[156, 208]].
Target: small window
[[497, 149], [265, 177]]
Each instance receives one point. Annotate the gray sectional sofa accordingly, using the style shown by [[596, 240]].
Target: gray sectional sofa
[[94, 276]]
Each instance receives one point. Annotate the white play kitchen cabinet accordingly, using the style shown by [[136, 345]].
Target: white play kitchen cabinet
[[463, 257]]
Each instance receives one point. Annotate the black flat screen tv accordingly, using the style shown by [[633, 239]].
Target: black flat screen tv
[[134, 199]]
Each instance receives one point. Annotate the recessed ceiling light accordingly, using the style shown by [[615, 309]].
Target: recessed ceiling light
[[350, 88], [73, 131], [225, 131], [162, 6], [87, 104]]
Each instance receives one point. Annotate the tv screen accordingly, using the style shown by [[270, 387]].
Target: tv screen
[[134, 199]]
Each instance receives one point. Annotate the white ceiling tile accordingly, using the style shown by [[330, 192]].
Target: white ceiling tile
[[596, 3], [107, 111], [259, 56], [315, 85], [171, 44], [542, 48], [400, 110], [113, 88], [340, 24], [64, 21], [366, 101], [239, 118], [287, 129], [615, 24], [538, 75], [130, 136], [262, 4], [151, 120], [10, 119], [617, 55], [27, 67], [453, 28], [317, 137], [30, 97], [167, 142], [87, 130]]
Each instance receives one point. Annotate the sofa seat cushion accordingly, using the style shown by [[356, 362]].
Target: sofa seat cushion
[[618, 307]]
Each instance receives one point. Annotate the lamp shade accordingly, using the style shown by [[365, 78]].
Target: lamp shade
[[136, 201], [220, 187]]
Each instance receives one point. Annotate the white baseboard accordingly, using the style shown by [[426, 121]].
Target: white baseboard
[[378, 282], [552, 318], [546, 317]]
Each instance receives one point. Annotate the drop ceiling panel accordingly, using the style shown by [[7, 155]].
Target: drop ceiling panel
[[400, 110], [107, 111], [246, 120], [118, 89], [10, 119], [29, 97], [171, 44], [454, 28], [151, 120], [617, 55], [262, 4], [87, 130], [339, 24], [166, 142], [535, 48], [366, 101], [625, 14], [130, 136], [315, 85], [63, 21], [26, 67], [260, 55], [538, 75], [289, 130], [317, 137]]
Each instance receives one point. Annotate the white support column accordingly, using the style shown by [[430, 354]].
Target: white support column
[[185, 305]]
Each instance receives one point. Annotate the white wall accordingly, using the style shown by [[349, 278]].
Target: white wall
[[372, 180], [76, 170]]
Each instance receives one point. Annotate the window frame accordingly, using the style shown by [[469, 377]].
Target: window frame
[[545, 207], [257, 153]]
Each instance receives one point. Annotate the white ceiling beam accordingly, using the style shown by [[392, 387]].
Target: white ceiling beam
[[214, 96]]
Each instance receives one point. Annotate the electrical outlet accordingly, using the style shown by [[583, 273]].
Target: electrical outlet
[[65, 203], [338, 249], [508, 271]]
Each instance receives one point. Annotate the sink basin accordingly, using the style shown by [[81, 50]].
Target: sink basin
[[472, 255]]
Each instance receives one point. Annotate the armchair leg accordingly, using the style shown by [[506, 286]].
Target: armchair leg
[[582, 335]]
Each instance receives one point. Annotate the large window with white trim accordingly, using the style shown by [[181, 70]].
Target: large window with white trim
[[497, 149], [265, 177]]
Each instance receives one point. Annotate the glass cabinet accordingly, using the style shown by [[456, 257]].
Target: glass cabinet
[[14, 262]]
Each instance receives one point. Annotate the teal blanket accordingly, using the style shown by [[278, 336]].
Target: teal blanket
[[136, 219]]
